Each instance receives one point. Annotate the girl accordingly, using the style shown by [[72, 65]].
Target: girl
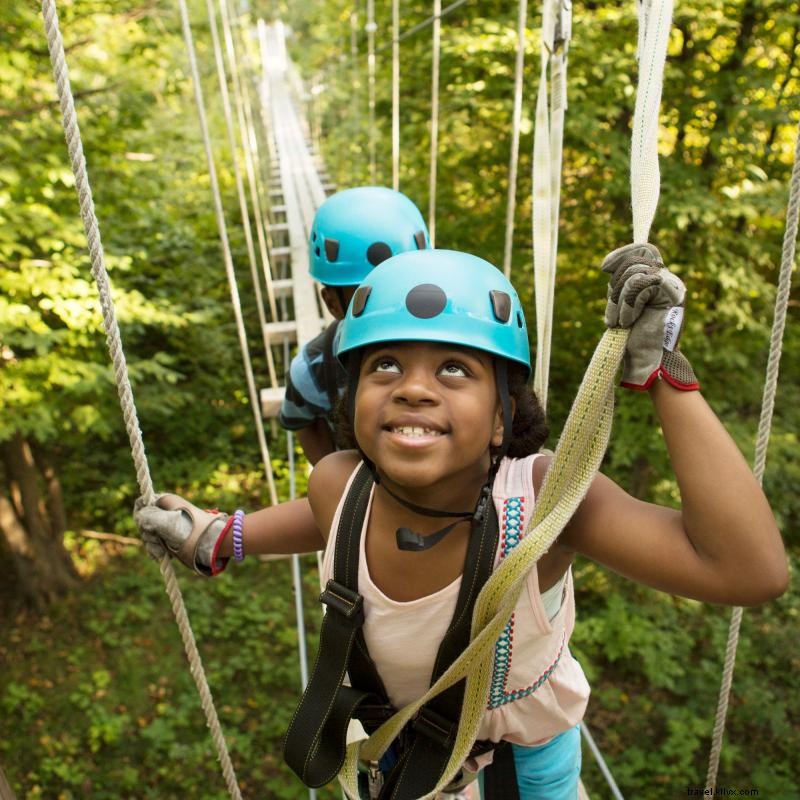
[[437, 355]]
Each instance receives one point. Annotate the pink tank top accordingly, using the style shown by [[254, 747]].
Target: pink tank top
[[538, 689]]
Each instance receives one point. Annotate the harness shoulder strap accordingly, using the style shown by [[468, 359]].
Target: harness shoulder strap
[[315, 741]]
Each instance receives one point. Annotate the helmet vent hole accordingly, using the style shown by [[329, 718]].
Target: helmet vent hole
[[520, 321], [419, 239], [359, 300], [331, 249], [501, 305], [317, 251], [378, 252]]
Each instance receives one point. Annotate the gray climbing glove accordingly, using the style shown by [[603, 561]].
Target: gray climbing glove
[[186, 531], [646, 297]]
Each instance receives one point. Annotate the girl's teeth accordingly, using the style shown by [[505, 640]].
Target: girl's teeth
[[408, 430]]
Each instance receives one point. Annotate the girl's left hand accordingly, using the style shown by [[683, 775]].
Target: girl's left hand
[[646, 297]]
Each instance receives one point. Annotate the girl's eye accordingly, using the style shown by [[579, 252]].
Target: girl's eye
[[453, 370], [386, 365]]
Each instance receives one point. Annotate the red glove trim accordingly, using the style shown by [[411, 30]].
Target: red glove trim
[[642, 387], [684, 387], [218, 564]]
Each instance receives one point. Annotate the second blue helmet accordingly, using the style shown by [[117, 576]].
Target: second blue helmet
[[356, 229], [437, 296]]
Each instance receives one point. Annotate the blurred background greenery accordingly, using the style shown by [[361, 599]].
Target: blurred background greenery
[[95, 697]]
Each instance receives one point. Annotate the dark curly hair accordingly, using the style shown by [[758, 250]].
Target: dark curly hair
[[528, 430]]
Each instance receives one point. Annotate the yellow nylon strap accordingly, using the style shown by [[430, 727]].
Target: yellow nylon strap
[[577, 458]]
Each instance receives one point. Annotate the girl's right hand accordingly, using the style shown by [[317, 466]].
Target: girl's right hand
[[185, 530]]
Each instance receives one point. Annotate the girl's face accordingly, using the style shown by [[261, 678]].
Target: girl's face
[[426, 414]]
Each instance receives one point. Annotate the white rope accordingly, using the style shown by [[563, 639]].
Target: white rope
[[371, 27], [511, 203], [547, 150], [354, 83], [244, 210], [250, 149], [396, 95], [226, 250], [762, 441], [113, 340], [434, 152]]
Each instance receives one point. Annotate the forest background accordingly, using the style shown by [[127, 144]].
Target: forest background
[[95, 697]]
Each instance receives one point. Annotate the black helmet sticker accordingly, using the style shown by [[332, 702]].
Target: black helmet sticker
[[426, 300], [378, 252]]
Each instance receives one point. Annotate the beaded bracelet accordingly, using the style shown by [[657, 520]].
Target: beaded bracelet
[[238, 544]]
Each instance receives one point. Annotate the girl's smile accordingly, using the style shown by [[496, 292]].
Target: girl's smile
[[426, 415]]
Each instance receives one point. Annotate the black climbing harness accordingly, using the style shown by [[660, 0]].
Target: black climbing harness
[[315, 743]]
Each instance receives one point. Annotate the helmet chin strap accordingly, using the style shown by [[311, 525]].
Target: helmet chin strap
[[414, 542]]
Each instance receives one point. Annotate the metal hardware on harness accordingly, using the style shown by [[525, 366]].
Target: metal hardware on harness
[[374, 779], [436, 727], [345, 601]]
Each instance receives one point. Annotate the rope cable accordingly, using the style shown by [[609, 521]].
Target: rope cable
[[371, 28], [250, 149], [396, 95], [762, 442], [91, 225], [244, 210], [434, 122], [511, 202], [426, 23], [226, 249]]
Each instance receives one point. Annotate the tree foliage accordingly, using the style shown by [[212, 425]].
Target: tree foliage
[[728, 123]]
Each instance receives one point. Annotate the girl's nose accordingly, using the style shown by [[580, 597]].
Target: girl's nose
[[416, 387]]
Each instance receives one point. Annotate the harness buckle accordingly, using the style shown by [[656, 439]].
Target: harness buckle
[[374, 780], [436, 727], [344, 601]]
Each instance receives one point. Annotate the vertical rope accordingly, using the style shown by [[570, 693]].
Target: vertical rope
[[371, 28], [762, 441], [222, 80], [437, 39], [250, 149], [114, 342], [226, 250], [355, 101], [511, 203], [396, 95]]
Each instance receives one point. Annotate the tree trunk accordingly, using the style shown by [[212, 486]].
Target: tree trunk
[[32, 523]]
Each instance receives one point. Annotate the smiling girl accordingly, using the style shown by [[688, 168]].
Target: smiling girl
[[438, 490]]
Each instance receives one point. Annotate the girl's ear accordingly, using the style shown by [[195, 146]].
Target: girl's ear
[[499, 426]]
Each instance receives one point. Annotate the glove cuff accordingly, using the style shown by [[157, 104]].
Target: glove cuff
[[218, 564], [674, 368], [201, 522]]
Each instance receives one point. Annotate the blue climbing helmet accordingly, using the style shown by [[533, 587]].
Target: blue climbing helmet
[[437, 296], [356, 229]]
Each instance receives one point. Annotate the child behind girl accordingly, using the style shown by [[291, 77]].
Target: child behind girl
[[437, 356], [353, 231]]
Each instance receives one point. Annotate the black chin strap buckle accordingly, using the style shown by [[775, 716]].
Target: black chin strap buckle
[[483, 502]]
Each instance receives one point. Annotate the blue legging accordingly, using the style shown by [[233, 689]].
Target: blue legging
[[550, 771]]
